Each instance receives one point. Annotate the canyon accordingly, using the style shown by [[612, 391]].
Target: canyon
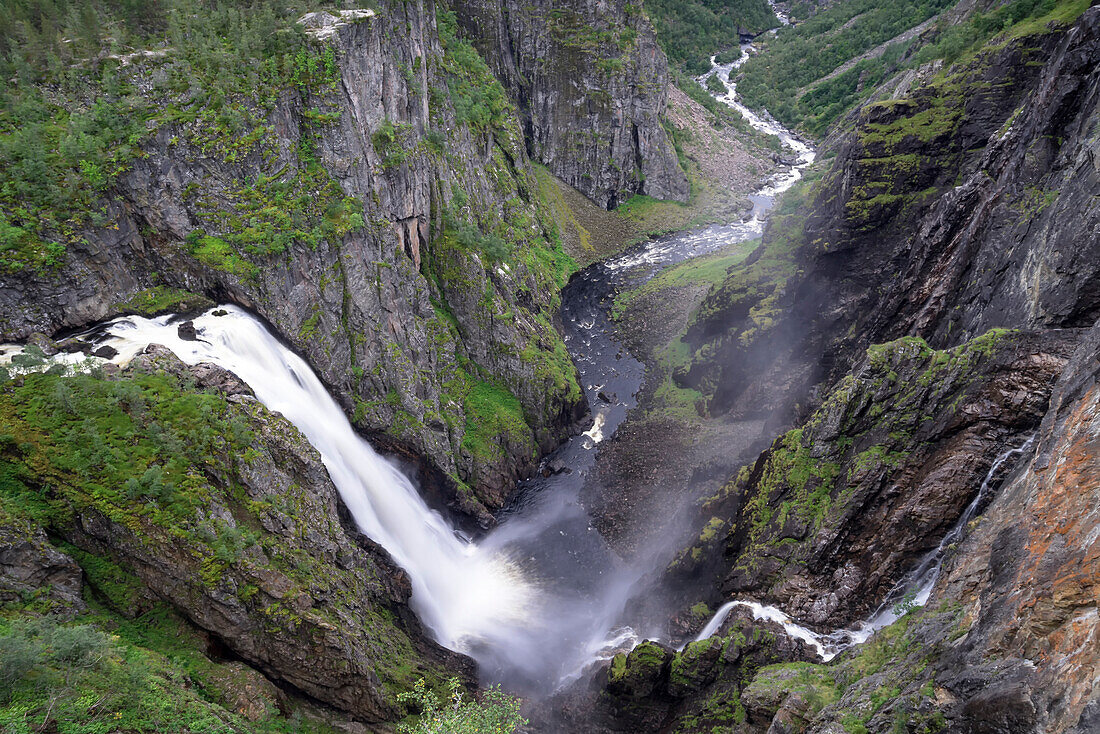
[[315, 407]]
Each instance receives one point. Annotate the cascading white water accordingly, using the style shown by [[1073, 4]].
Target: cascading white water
[[763, 122], [467, 595], [912, 591]]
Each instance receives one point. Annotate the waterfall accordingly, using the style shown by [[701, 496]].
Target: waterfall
[[913, 590], [466, 595]]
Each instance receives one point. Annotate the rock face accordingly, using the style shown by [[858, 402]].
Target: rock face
[[828, 519], [405, 320], [32, 569], [956, 203], [702, 687], [1028, 577], [591, 84], [249, 548]]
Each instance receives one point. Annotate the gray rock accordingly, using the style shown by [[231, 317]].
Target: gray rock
[[591, 110], [33, 570], [187, 331]]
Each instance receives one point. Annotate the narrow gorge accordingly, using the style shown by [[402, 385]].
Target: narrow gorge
[[673, 367]]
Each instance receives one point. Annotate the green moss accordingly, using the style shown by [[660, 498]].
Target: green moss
[[126, 447], [218, 254], [118, 585], [814, 683], [308, 329], [683, 669], [162, 299], [700, 610], [617, 671], [478, 97], [805, 483], [493, 414], [711, 529]]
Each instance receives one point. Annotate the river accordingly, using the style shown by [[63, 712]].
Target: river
[[541, 598]]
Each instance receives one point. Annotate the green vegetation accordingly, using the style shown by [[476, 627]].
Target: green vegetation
[[478, 97], [127, 448], [161, 299], [149, 66], [882, 685], [782, 78], [707, 270], [85, 680], [493, 415], [690, 31], [956, 41], [814, 683], [495, 713], [804, 484], [797, 79], [104, 673]]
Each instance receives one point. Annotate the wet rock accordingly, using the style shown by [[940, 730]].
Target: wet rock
[[557, 465], [695, 667], [638, 673], [105, 352], [214, 377], [48, 346], [187, 332], [604, 397]]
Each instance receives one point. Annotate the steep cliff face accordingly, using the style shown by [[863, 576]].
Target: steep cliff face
[[189, 492], [1028, 577], [828, 519], [958, 200], [591, 84], [390, 233]]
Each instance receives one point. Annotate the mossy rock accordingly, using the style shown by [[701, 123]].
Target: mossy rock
[[638, 674]]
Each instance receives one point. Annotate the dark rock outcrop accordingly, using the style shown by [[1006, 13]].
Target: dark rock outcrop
[[34, 572], [828, 519], [591, 84], [697, 689]]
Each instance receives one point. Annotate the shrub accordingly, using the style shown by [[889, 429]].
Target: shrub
[[495, 713]]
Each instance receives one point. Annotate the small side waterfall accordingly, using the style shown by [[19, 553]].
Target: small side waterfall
[[913, 590]]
